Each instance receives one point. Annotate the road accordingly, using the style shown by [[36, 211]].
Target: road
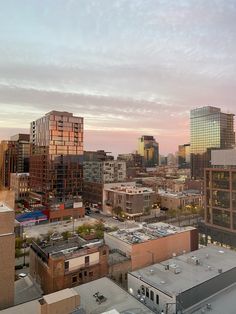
[[111, 222], [38, 231]]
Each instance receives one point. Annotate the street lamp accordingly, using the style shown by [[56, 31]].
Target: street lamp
[[24, 245]]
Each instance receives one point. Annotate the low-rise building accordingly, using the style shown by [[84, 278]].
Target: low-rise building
[[65, 211], [178, 284], [98, 173], [99, 296], [152, 243], [132, 200], [173, 200], [64, 264], [19, 184]]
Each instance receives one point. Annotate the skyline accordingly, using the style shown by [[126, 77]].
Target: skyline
[[129, 68]]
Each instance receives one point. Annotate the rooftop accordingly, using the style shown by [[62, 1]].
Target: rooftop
[[219, 303], [98, 296], [178, 194], [56, 248], [112, 298], [146, 232], [5, 208], [183, 272], [116, 257], [130, 189]]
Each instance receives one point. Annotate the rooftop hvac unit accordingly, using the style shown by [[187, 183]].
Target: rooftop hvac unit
[[193, 260], [208, 306], [174, 268]]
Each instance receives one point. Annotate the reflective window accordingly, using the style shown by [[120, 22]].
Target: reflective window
[[221, 218], [220, 179], [221, 199]]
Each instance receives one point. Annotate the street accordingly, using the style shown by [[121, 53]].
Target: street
[[38, 231]]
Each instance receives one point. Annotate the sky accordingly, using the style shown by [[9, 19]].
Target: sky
[[129, 67]]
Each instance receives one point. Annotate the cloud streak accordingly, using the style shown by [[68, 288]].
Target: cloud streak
[[128, 67]]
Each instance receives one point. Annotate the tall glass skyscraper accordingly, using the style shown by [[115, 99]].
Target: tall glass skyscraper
[[209, 128], [57, 156], [149, 149]]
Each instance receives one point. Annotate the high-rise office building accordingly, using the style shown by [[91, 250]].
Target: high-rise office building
[[210, 128], [8, 161], [184, 156], [14, 157], [149, 149], [22, 142], [56, 157]]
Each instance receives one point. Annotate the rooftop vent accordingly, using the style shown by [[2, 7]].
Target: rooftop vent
[[220, 270], [208, 306], [174, 268], [193, 260]]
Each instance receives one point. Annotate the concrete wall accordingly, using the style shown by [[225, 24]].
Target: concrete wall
[[135, 284], [62, 306], [115, 243], [206, 289]]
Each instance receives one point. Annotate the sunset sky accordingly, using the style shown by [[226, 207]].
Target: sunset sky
[[129, 67]]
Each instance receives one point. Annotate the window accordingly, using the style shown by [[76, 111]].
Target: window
[[90, 274], [86, 259], [147, 292], [66, 265], [157, 299], [80, 275], [85, 273], [152, 295], [142, 289], [74, 279]]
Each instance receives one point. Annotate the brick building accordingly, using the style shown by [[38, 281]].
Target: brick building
[[153, 243], [7, 256], [64, 264]]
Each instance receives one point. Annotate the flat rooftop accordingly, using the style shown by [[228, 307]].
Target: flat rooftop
[[146, 232], [191, 269], [178, 194], [57, 248], [130, 189], [222, 302], [116, 257], [5, 208], [115, 298]]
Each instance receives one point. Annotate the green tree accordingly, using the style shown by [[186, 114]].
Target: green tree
[[117, 211], [66, 235]]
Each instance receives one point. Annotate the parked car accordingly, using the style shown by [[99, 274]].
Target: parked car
[[22, 275]]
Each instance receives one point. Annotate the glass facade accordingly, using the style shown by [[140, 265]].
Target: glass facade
[[184, 156], [209, 128], [149, 149], [220, 198], [57, 153]]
